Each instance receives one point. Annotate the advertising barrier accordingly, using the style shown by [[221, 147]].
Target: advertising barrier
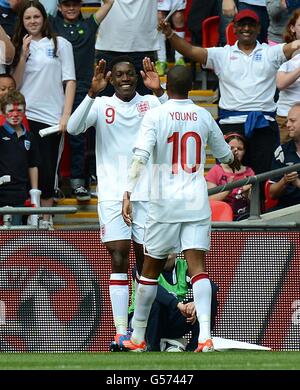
[[54, 289]]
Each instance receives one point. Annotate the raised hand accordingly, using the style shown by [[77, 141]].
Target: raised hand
[[99, 80], [165, 28], [25, 47], [150, 76]]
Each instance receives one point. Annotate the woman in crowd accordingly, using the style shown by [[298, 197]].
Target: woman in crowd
[[221, 174], [45, 74]]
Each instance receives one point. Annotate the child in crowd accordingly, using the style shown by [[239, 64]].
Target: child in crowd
[[7, 84], [18, 154], [44, 72]]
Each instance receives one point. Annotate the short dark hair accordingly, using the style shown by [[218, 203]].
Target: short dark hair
[[11, 98], [180, 80], [120, 59], [7, 76]]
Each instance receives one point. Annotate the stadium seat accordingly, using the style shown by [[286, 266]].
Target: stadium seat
[[210, 31], [231, 38], [269, 202], [220, 211], [210, 38]]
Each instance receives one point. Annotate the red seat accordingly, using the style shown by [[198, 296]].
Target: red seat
[[220, 211], [210, 31], [210, 38], [269, 202], [231, 38]]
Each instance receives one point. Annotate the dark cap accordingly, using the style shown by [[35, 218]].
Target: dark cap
[[246, 13]]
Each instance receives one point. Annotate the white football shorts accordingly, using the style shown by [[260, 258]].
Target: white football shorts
[[167, 5], [164, 238], [112, 225]]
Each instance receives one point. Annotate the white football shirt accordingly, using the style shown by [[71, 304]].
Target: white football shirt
[[176, 134], [117, 125]]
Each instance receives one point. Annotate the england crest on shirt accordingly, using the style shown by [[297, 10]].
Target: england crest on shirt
[[258, 57], [27, 144], [142, 107]]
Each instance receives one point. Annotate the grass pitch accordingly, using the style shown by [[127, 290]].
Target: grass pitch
[[233, 360]]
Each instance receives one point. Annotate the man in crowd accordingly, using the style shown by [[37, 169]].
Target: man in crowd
[[287, 188], [246, 72]]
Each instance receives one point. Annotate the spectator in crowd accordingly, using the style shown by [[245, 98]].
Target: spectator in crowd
[[287, 79], [231, 7], [165, 6], [7, 84], [7, 50], [221, 174], [287, 188], [278, 19], [45, 73], [116, 120], [8, 15], [129, 28], [173, 313], [81, 33], [246, 72], [18, 154], [179, 222]]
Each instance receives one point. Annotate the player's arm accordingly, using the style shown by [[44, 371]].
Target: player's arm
[[219, 147], [84, 116], [142, 151], [196, 53], [103, 10], [138, 162]]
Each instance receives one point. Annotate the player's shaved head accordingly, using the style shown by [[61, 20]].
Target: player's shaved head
[[179, 80]]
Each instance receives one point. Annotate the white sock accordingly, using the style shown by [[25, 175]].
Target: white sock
[[144, 298], [178, 55], [202, 299], [161, 53], [119, 297]]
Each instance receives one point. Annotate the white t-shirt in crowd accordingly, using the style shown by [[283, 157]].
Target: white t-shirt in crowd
[[43, 79], [176, 135], [290, 95], [261, 3], [167, 5], [130, 25], [117, 124], [247, 82]]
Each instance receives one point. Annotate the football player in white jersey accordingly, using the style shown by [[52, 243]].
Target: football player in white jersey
[[117, 120], [179, 217]]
